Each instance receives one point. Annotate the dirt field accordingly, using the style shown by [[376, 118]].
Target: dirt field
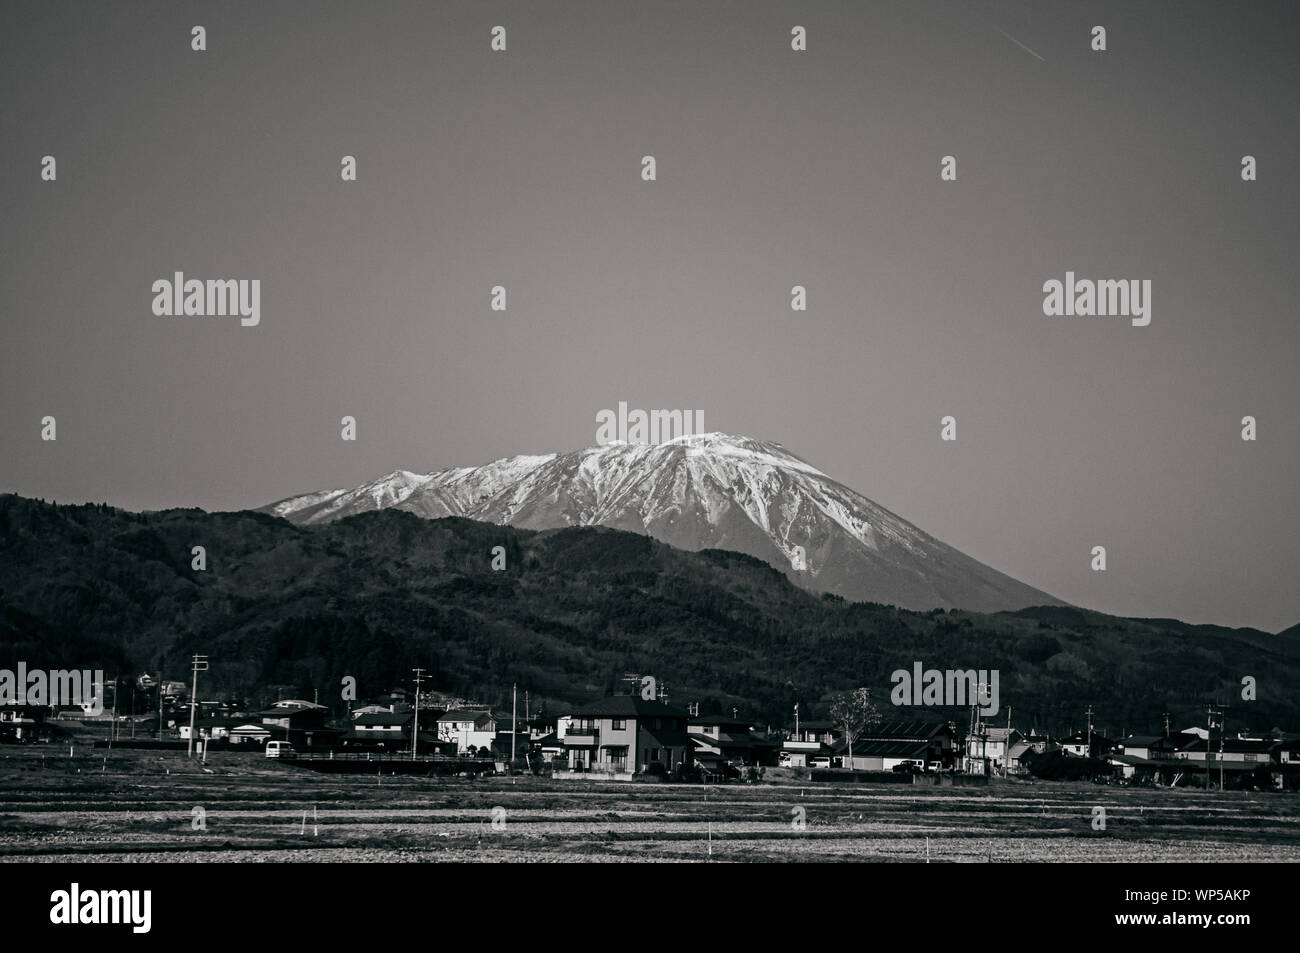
[[141, 806]]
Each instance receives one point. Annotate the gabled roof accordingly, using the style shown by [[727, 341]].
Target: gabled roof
[[1141, 741], [475, 715], [669, 739], [1081, 738], [628, 706], [724, 740], [1134, 760], [383, 719], [1244, 746], [868, 748], [906, 730], [217, 721], [997, 734], [287, 712], [721, 721]]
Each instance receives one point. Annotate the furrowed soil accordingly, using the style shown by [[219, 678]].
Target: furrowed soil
[[97, 805]]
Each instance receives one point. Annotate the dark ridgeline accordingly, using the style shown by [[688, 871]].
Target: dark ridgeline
[[374, 595]]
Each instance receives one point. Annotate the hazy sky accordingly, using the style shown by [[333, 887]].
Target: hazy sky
[[775, 168]]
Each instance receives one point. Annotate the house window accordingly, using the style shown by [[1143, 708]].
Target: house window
[[619, 724]]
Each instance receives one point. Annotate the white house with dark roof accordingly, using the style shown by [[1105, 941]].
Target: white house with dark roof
[[625, 734], [469, 728]]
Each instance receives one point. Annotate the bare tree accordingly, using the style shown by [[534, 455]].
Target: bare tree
[[853, 713]]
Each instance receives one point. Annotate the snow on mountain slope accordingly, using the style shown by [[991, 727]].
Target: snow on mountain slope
[[711, 491]]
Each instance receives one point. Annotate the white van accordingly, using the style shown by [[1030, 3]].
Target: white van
[[277, 749]]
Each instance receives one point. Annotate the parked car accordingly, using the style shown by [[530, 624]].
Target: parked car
[[278, 749]]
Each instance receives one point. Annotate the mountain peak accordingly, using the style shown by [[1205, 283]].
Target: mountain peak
[[705, 491]]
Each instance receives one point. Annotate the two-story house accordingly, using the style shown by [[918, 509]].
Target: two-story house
[[626, 734], [721, 740], [391, 731], [808, 745], [1081, 744], [469, 727], [988, 749], [302, 726]]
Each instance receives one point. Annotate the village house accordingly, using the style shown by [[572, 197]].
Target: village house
[[626, 734], [470, 728], [927, 745], [210, 728], [247, 733], [1147, 747], [544, 737], [541, 726], [22, 724], [808, 745], [1192, 744], [987, 750], [719, 740], [300, 726], [1016, 754], [391, 732], [1081, 744], [1287, 752]]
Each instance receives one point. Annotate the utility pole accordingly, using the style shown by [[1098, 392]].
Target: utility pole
[[160, 701], [796, 721], [514, 720], [1089, 754], [1166, 724], [1006, 748], [200, 664], [1209, 755], [415, 724], [1222, 711]]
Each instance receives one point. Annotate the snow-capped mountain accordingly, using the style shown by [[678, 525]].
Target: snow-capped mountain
[[711, 491]]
